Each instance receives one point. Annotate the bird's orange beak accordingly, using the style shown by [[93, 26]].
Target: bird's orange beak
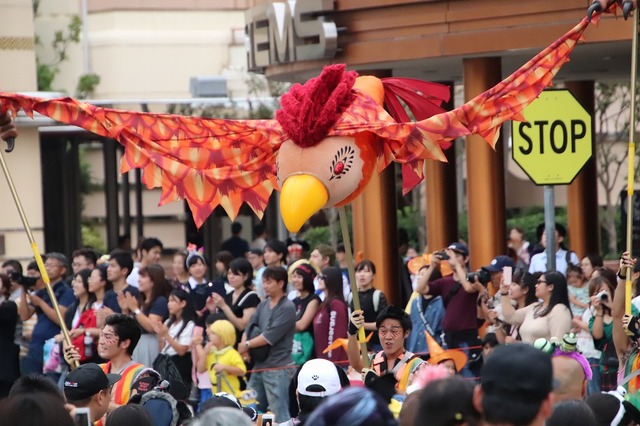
[[302, 195]]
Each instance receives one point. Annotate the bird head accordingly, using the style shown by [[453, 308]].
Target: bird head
[[314, 169]]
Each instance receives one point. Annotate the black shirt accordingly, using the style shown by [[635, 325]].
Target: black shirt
[[247, 299]]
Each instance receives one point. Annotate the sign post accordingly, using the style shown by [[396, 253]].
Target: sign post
[[551, 147]]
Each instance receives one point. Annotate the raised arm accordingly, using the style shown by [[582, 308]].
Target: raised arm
[[356, 321], [620, 338]]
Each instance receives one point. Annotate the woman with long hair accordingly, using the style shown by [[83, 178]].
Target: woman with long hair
[[179, 268], [601, 328], [99, 285], [176, 332], [331, 321], [84, 301], [586, 342], [240, 304], [549, 318], [223, 260], [589, 263], [522, 293], [152, 307], [307, 303], [80, 319]]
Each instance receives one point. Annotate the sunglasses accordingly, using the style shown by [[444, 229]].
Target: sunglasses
[[322, 277]]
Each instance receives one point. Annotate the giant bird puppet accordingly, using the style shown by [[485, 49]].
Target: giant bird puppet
[[329, 137]]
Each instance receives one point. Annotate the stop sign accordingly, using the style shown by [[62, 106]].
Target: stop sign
[[556, 140]]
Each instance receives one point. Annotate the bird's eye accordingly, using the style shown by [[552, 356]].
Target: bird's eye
[[342, 162]]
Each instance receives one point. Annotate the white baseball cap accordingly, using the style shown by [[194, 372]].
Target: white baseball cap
[[318, 377]]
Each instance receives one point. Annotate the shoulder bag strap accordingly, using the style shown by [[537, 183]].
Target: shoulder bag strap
[[282, 299], [245, 297], [454, 290], [408, 356], [424, 320]]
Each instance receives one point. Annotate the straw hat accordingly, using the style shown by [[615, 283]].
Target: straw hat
[[437, 354], [418, 262]]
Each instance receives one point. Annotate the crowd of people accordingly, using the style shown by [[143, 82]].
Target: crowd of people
[[269, 333]]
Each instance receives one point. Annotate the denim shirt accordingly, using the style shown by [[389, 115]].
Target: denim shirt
[[417, 342]]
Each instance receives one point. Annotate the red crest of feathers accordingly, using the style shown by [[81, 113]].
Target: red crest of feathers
[[309, 111]]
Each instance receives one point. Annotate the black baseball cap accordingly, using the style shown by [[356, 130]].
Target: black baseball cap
[[86, 381]]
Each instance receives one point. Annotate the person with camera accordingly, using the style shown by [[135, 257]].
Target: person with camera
[[489, 300], [550, 318], [459, 295], [601, 329], [37, 300]]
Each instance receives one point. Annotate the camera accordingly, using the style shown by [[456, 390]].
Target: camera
[[483, 276], [603, 296], [26, 282], [442, 255]]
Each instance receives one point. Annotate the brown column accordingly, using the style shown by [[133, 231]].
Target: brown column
[[375, 230], [582, 194], [485, 173], [441, 198]]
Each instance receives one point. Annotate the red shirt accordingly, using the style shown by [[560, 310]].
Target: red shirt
[[329, 324], [460, 310]]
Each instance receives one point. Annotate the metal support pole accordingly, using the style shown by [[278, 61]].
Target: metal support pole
[[550, 227]]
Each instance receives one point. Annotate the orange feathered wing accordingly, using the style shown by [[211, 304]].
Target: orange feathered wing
[[484, 114], [211, 162], [208, 162]]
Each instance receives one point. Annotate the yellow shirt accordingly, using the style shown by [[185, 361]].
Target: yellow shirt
[[228, 383]]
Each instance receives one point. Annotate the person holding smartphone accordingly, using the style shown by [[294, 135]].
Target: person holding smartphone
[[489, 299], [88, 387]]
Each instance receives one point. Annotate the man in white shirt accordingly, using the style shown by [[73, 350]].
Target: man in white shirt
[[539, 261], [149, 251]]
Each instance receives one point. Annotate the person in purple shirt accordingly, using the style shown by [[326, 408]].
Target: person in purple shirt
[[459, 296]]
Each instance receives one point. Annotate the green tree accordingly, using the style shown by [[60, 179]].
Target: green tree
[[612, 116], [48, 70]]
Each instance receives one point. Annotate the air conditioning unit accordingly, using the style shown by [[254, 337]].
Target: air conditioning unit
[[208, 86]]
